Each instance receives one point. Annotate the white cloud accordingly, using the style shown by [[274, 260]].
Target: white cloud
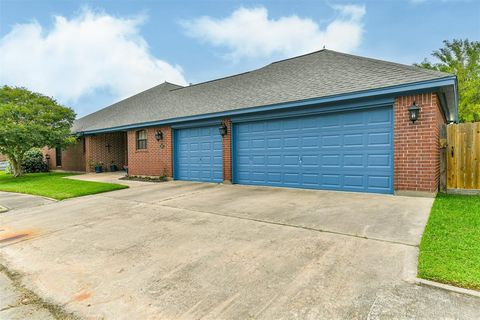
[[250, 33], [78, 57]]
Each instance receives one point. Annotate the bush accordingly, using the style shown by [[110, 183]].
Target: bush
[[33, 161], [8, 168]]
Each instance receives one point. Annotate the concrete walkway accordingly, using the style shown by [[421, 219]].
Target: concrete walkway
[[194, 250], [13, 201]]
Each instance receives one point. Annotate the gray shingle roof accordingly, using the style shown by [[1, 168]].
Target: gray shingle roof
[[319, 74]]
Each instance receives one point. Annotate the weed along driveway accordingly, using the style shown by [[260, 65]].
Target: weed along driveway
[[191, 250]]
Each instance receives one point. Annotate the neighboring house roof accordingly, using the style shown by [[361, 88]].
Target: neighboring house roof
[[318, 74]]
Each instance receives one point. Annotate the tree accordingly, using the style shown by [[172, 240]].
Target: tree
[[31, 120], [462, 58]]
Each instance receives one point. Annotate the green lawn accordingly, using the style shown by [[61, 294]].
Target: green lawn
[[53, 185], [450, 247]]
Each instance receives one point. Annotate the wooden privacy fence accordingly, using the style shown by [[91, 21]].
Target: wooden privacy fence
[[460, 157]]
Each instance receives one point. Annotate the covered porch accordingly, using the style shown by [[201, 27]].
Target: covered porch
[[107, 150]]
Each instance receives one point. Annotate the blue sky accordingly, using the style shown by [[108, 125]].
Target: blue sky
[[89, 54]]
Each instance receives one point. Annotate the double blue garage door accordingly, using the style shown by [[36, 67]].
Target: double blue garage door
[[350, 151]]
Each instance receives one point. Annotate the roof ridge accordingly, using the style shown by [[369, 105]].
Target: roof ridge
[[135, 95], [217, 79], [411, 67], [253, 70], [300, 56], [167, 82]]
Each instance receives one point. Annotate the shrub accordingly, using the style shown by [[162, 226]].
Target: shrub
[[33, 161], [8, 168]]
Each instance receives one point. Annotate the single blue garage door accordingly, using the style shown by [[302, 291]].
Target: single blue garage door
[[198, 154], [350, 151]]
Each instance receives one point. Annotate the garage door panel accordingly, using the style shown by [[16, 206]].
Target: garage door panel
[[379, 182], [198, 154], [379, 139], [330, 180], [274, 177], [339, 151], [353, 120], [379, 160], [310, 179], [353, 181], [329, 123], [274, 143], [378, 117], [353, 140], [353, 160]]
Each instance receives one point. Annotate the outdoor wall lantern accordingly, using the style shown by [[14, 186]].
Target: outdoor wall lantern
[[223, 130], [159, 135], [413, 112]]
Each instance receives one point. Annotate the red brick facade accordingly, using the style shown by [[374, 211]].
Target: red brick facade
[[157, 159], [227, 152], [416, 148], [107, 148], [73, 157], [416, 145]]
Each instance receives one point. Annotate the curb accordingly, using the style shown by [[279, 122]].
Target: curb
[[3, 209], [447, 287]]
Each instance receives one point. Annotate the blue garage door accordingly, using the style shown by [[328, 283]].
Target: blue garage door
[[350, 151], [198, 154]]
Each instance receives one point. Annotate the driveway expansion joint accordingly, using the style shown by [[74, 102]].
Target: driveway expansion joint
[[295, 226]]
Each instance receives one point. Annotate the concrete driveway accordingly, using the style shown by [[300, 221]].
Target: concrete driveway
[[195, 250]]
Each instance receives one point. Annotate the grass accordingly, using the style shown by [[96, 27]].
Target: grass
[[450, 247], [53, 185]]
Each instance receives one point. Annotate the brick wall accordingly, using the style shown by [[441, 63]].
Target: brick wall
[[73, 157], [3, 157], [155, 160], [416, 145], [227, 152], [97, 150]]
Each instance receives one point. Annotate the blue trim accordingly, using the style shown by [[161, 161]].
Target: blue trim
[[417, 86], [175, 152], [455, 90], [196, 124], [298, 112], [392, 140], [443, 104], [232, 151]]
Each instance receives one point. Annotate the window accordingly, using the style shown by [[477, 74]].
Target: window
[[141, 139], [58, 156]]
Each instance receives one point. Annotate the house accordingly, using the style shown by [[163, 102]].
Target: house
[[324, 120]]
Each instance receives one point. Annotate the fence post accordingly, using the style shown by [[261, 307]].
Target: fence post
[[443, 144]]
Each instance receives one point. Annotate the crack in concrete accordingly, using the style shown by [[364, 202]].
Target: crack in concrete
[[159, 201], [28, 297]]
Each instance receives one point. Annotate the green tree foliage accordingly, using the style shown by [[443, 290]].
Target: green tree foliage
[[31, 120], [462, 58]]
